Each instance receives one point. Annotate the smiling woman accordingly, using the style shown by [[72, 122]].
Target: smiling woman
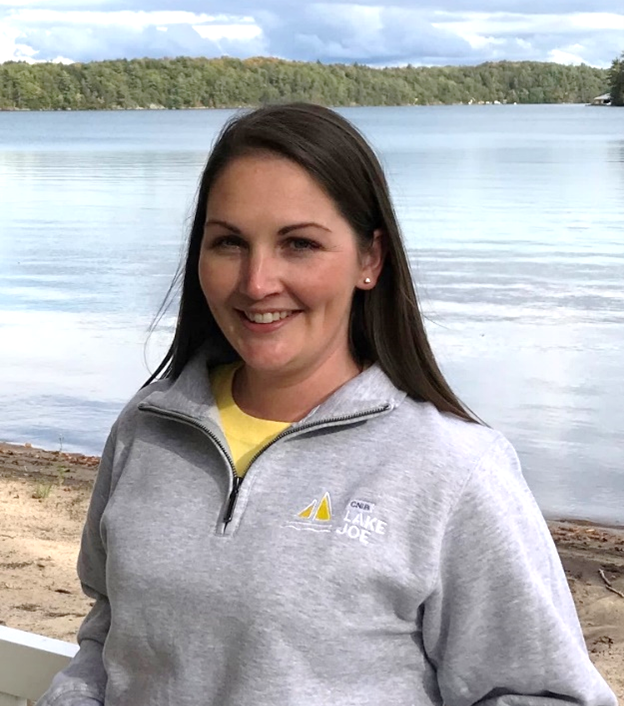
[[297, 508], [280, 282]]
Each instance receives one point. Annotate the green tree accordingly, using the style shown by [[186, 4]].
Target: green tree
[[226, 82], [616, 80]]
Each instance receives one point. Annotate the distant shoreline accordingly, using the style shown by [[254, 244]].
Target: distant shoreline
[[249, 107]]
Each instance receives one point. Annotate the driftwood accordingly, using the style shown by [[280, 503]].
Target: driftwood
[[609, 585]]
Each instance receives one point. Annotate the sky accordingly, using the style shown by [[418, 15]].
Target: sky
[[390, 33]]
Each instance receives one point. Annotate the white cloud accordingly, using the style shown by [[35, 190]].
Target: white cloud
[[482, 43], [86, 35], [123, 18], [349, 33], [11, 49], [560, 56], [513, 24], [62, 4], [228, 31], [598, 21], [415, 31], [574, 38]]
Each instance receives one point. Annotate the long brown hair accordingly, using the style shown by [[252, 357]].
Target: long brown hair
[[386, 323]]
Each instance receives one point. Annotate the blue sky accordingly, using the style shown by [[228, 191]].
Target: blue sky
[[396, 32]]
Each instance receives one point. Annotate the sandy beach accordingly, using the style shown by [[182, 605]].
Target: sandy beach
[[43, 501]]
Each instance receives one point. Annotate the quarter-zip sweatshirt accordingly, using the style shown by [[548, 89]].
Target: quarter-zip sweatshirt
[[377, 552]]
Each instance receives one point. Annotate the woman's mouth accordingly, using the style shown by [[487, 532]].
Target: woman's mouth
[[266, 317]]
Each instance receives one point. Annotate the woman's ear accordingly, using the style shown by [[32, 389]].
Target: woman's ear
[[373, 260]]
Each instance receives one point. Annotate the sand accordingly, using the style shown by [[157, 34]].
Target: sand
[[43, 501]]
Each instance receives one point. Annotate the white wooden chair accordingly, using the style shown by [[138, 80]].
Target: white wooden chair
[[27, 664]]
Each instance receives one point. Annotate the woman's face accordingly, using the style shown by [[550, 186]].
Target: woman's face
[[279, 265]]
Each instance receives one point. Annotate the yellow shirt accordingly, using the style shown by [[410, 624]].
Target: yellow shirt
[[246, 435]]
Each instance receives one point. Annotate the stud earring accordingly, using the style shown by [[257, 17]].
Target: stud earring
[[367, 280]]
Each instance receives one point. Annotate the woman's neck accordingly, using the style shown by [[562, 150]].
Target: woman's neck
[[288, 398]]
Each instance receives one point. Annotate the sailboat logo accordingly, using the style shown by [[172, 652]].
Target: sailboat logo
[[317, 511]]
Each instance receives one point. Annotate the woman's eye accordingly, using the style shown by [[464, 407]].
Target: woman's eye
[[226, 242], [302, 244]]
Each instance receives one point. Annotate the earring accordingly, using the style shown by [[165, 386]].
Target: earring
[[367, 280]]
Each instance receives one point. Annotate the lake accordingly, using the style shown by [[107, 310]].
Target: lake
[[514, 219]]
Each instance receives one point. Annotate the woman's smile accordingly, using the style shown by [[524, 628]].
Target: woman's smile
[[266, 322]]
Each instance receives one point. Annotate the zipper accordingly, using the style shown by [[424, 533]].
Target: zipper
[[237, 480], [190, 421], [229, 512]]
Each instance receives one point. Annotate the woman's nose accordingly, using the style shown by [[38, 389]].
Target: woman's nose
[[261, 276]]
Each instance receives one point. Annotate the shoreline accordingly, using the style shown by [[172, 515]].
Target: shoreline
[[612, 527], [44, 496], [156, 108]]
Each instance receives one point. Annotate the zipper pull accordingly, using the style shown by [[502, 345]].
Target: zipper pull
[[232, 501]]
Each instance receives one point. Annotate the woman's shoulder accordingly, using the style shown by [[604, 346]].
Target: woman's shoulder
[[446, 430], [416, 433], [142, 394], [445, 441], [126, 419], [188, 393], [453, 464]]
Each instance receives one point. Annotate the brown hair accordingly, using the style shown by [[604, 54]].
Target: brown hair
[[386, 323]]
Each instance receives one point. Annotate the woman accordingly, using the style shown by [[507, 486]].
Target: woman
[[299, 510]]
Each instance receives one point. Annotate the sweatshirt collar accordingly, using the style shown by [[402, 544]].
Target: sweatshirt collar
[[191, 396]]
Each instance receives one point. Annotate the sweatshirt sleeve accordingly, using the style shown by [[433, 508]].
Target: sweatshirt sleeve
[[500, 626], [83, 681]]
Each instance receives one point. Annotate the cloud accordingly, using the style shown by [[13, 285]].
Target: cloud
[[284, 7], [401, 31], [11, 48], [392, 35], [523, 7], [575, 38], [41, 35], [558, 7], [349, 33], [122, 17], [113, 42]]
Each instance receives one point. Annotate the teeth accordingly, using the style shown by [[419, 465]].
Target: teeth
[[267, 318]]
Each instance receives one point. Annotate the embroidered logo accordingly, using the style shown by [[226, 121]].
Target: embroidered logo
[[315, 516], [360, 523], [323, 512]]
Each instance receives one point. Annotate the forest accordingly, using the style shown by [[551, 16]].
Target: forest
[[615, 78], [230, 83]]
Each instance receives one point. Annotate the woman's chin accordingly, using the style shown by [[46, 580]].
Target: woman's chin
[[263, 366]]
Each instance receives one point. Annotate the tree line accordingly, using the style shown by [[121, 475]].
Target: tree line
[[230, 83], [616, 80]]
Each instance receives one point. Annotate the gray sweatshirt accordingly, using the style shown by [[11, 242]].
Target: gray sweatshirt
[[377, 552]]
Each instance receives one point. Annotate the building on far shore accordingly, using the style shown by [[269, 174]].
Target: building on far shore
[[604, 99]]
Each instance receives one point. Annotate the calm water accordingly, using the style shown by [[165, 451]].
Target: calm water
[[514, 217]]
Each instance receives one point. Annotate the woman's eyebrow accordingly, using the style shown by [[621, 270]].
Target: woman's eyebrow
[[224, 224], [282, 231], [296, 226]]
